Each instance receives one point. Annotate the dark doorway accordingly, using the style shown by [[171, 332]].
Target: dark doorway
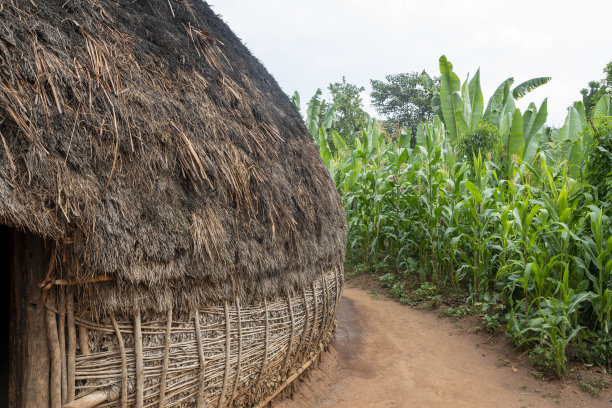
[[5, 270], [24, 258]]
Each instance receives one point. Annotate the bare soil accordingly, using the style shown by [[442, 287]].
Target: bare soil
[[390, 355]]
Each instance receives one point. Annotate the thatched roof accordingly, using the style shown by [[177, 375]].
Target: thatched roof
[[145, 139]]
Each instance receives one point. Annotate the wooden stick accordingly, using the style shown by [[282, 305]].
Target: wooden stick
[[228, 345], [71, 344], [139, 360], [55, 378], [290, 345], [84, 340], [62, 341], [337, 278], [124, 388], [162, 381], [237, 380], [93, 399], [64, 282], [198, 334], [305, 327], [325, 311], [266, 346], [287, 382], [315, 321]]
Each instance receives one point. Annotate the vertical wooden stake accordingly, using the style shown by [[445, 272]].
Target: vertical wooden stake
[[84, 340], [325, 310], [228, 344], [61, 302], [124, 389], [162, 381], [237, 380], [198, 334], [290, 345], [315, 321], [266, 346], [71, 345], [55, 379], [139, 360], [302, 344]]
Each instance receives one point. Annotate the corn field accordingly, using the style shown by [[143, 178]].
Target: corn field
[[519, 224]]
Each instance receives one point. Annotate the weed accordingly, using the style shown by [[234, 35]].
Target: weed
[[594, 386]]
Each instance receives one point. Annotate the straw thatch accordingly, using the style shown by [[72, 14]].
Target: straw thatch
[[163, 161]]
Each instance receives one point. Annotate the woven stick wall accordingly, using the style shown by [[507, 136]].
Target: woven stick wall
[[230, 355]]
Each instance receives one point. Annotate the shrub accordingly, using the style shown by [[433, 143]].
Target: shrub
[[484, 138]]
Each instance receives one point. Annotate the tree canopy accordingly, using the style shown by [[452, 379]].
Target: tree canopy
[[350, 117], [403, 99]]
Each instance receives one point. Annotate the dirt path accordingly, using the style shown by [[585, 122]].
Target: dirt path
[[389, 355]]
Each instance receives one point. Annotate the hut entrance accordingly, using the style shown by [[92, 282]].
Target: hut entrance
[[24, 258]]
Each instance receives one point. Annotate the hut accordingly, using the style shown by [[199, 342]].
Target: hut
[[172, 236]]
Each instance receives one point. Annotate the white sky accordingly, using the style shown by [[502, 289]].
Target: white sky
[[306, 45]]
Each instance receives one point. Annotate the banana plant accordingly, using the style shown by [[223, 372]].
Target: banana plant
[[524, 88], [570, 136], [511, 129], [603, 107], [450, 99], [533, 129], [462, 108], [313, 114]]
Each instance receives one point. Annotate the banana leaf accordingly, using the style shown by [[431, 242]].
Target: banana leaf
[[449, 87]]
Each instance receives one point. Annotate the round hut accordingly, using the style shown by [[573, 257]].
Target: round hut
[[172, 236]]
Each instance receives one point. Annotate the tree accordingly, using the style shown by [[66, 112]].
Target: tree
[[591, 95], [608, 79], [596, 89], [403, 100], [349, 117]]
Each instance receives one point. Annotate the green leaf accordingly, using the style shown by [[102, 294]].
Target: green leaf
[[534, 131], [404, 139], [460, 122], [449, 86], [474, 191], [466, 107], [338, 141], [603, 107], [514, 141], [524, 88], [329, 117], [312, 115], [295, 99], [494, 106], [572, 126], [476, 100], [324, 147], [579, 106], [427, 81], [421, 139]]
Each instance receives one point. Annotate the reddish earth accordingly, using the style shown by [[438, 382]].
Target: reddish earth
[[389, 355]]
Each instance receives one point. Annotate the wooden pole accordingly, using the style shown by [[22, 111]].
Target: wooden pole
[[237, 380], [84, 340], [228, 344], [162, 382], [55, 379], [71, 345], [62, 340], [124, 388], [198, 334], [93, 399], [266, 346], [139, 360], [290, 345]]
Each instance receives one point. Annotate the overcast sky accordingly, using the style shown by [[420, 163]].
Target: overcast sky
[[306, 45]]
